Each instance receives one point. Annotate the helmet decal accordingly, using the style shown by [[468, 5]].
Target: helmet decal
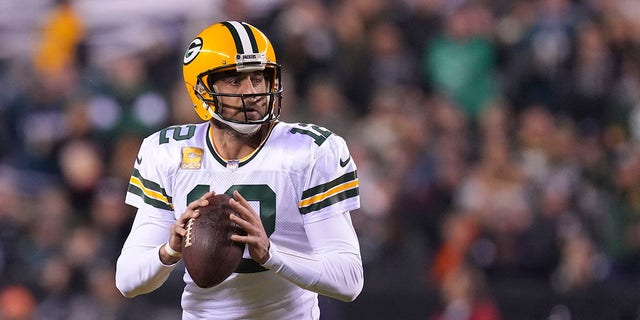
[[242, 36], [193, 50]]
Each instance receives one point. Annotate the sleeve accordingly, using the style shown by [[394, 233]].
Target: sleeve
[[335, 267], [333, 185], [139, 269]]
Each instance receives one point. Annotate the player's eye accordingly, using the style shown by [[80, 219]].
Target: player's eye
[[257, 77], [234, 81]]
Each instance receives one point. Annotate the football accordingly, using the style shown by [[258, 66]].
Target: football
[[209, 254]]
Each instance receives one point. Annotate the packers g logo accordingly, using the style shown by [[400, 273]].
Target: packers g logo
[[193, 50]]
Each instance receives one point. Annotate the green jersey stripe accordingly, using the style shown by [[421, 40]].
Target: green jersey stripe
[[154, 202], [350, 193], [148, 189], [349, 176]]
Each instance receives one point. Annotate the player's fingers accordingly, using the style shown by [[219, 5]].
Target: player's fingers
[[208, 195], [254, 230], [242, 223], [189, 214], [242, 239], [242, 207], [242, 211], [258, 247], [201, 202], [237, 238], [245, 225], [192, 208], [238, 198], [179, 229], [248, 239]]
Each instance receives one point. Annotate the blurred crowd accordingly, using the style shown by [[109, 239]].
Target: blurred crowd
[[497, 144]]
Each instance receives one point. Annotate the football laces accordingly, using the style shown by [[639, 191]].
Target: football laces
[[188, 238]]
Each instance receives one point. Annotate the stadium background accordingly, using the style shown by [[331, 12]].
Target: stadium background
[[497, 144]]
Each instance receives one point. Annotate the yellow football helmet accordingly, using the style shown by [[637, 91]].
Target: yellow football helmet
[[226, 46]]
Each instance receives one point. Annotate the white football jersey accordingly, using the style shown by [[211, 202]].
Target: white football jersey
[[301, 173]]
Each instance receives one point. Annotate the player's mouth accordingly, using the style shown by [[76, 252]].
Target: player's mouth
[[253, 114], [254, 111], [248, 112]]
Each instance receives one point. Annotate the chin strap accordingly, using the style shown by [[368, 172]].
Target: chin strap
[[239, 127]]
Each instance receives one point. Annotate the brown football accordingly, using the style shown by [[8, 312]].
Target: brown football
[[207, 250]]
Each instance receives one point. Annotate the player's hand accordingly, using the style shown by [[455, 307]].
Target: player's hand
[[256, 238], [178, 230]]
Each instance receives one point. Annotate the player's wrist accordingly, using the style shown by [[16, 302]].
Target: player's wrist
[[172, 253], [272, 262]]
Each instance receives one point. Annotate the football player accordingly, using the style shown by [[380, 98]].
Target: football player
[[293, 185]]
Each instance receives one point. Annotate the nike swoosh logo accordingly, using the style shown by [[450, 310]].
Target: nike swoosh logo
[[139, 160], [344, 163]]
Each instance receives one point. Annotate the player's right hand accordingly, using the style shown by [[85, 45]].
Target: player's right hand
[[178, 229]]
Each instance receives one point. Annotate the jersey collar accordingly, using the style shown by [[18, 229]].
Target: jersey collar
[[240, 162]]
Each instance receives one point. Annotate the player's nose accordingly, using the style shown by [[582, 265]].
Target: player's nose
[[246, 85]]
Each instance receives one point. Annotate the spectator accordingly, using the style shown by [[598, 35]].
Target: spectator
[[17, 303], [465, 297], [460, 62]]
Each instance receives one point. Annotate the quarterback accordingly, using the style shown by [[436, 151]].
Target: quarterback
[[293, 188]]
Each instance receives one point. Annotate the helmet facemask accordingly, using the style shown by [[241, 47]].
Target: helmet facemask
[[208, 93]]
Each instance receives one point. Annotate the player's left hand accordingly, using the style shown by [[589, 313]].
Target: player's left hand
[[256, 238]]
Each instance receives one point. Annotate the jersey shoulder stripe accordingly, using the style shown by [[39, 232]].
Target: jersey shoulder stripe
[[159, 156], [150, 192], [324, 195]]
